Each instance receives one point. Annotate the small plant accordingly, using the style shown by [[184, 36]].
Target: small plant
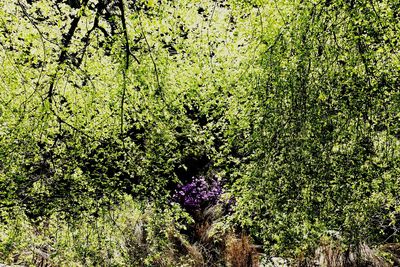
[[198, 193]]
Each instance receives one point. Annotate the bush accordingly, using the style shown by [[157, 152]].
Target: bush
[[198, 194]]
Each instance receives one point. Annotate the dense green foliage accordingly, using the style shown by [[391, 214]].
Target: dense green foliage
[[326, 142], [87, 116], [293, 105]]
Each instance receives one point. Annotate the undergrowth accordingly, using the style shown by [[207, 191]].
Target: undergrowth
[[128, 234]]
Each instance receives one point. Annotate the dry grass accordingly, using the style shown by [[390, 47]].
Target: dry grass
[[240, 252], [195, 254], [204, 246]]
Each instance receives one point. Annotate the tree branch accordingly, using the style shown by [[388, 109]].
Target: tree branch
[[63, 55], [126, 63]]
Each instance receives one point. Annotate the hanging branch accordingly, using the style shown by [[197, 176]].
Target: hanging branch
[[100, 7], [126, 63], [43, 39], [128, 53], [66, 42], [150, 53], [86, 38]]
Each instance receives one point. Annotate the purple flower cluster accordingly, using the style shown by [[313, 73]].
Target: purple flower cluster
[[197, 194]]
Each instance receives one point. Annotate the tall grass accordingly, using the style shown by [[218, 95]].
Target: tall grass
[[116, 237], [132, 235], [125, 235]]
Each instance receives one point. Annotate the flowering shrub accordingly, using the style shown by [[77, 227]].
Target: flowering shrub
[[197, 194]]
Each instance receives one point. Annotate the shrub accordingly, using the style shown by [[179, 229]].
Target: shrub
[[198, 193]]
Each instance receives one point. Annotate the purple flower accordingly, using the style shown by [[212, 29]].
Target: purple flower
[[198, 193]]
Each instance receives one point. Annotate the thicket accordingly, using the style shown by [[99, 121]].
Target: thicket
[[325, 141], [212, 121]]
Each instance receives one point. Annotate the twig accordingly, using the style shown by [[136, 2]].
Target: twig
[[63, 55], [126, 64], [151, 55]]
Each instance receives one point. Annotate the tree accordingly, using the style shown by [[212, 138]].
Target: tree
[[325, 143], [106, 98]]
